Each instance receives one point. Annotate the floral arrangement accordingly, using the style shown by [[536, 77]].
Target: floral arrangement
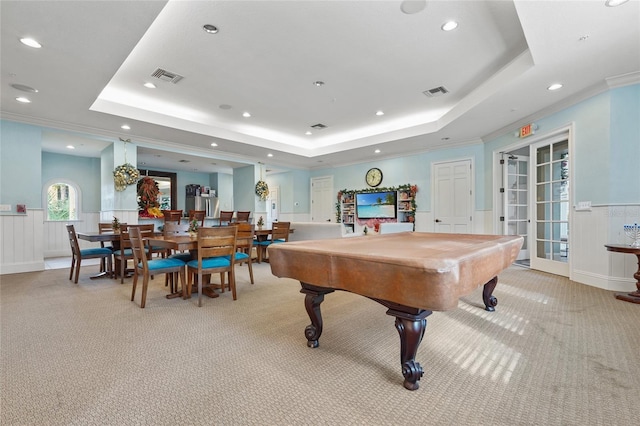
[[260, 222], [148, 192], [193, 226], [125, 174], [262, 190]]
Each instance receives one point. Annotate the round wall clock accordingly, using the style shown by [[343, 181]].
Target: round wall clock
[[374, 177]]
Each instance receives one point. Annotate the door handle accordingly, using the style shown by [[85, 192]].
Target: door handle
[[438, 220]]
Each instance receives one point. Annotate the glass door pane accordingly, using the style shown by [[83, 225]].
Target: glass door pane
[[516, 199]]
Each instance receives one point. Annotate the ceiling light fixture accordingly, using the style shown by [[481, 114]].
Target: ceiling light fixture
[[614, 3], [23, 100], [377, 151], [24, 88], [214, 144], [30, 42], [379, 113], [269, 155], [318, 83], [449, 26], [554, 86], [149, 85], [71, 147], [413, 6], [246, 115], [125, 127], [210, 29], [308, 133]]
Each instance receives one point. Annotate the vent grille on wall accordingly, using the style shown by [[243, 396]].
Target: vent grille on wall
[[319, 126], [165, 75], [436, 91]]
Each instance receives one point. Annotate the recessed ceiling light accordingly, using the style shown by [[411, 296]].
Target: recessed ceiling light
[[211, 29], [269, 155], [149, 85], [23, 100], [449, 26], [445, 138], [246, 115], [308, 133], [378, 113], [24, 88], [214, 144], [71, 147], [554, 86], [377, 151], [614, 3], [318, 83], [30, 42], [584, 37], [412, 6], [125, 127]]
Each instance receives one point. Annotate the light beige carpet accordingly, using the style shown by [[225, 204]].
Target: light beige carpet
[[554, 353]]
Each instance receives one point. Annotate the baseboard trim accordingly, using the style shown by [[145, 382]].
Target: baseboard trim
[[18, 268], [604, 282]]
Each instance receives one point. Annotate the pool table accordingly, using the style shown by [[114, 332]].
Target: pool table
[[412, 274]]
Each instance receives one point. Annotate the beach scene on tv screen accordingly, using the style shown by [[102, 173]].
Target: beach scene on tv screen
[[376, 205]]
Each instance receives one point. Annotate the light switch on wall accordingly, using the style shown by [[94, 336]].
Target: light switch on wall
[[5, 207], [583, 205]]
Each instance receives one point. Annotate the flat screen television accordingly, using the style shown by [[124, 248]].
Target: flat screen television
[[376, 205]]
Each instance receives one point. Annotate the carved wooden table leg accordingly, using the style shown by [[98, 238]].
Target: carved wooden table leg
[[411, 327], [487, 295], [313, 299]]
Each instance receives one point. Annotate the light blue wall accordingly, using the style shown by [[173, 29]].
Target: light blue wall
[[20, 165], [244, 196], [624, 183], [83, 171]]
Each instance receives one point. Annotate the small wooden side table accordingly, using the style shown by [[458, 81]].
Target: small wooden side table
[[633, 297]]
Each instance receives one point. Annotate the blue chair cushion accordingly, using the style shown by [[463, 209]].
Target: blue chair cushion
[[211, 262], [239, 256], [156, 264], [269, 242], [96, 251], [185, 257]]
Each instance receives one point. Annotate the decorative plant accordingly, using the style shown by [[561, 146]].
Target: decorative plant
[[365, 230], [115, 224], [125, 174], [260, 222], [262, 190], [148, 192], [193, 225]]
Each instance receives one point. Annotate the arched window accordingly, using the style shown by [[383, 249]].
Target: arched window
[[62, 201]]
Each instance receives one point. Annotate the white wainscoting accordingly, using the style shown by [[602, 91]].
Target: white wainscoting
[[21, 248], [55, 239]]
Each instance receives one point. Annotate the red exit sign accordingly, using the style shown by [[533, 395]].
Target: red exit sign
[[526, 130]]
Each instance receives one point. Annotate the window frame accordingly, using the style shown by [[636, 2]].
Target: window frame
[[45, 198]]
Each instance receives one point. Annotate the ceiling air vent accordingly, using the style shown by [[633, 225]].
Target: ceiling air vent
[[319, 126], [165, 75], [184, 161], [436, 91]]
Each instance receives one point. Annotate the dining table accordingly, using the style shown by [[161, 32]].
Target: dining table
[[97, 237]]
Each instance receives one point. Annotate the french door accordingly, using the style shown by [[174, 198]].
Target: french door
[[551, 205], [516, 200]]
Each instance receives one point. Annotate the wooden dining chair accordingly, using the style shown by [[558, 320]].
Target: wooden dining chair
[[198, 215], [174, 229], [172, 215], [104, 227], [279, 234], [216, 254], [244, 246], [90, 253], [145, 267], [225, 218], [242, 216], [125, 253]]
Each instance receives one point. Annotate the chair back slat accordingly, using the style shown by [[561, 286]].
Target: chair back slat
[[243, 216], [172, 215], [172, 229], [216, 242], [225, 216], [73, 240], [244, 238], [198, 215], [137, 247], [280, 231]]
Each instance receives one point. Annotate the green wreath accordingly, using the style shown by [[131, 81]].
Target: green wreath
[[125, 174], [262, 190]]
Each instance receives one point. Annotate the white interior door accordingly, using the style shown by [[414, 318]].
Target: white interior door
[[322, 199], [452, 197], [273, 207], [551, 205], [515, 192]]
